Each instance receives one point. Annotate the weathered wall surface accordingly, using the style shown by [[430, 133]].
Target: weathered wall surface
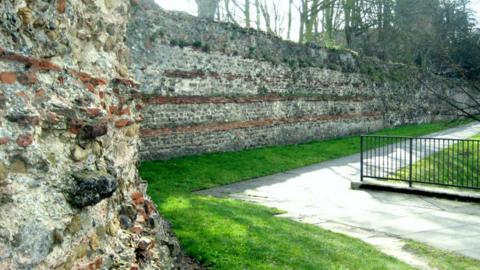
[[70, 194], [215, 87]]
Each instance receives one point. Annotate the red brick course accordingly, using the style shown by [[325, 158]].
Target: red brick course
[[38, 64], [33, 63], [161, 100], [213, 127]]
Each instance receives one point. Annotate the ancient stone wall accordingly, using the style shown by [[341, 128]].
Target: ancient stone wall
[[216, 87], [70, 194]]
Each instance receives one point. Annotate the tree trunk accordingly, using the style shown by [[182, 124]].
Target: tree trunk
[[348, 10], [328, 17], [303, 20], [259, 18], [311, 20], [207, 8], [266, 16], [289, 30], [247, 14]]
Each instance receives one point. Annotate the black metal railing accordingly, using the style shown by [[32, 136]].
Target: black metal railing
[[431, 161]]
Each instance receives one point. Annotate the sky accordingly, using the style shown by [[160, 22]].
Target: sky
[[475, 7], [180, 5]]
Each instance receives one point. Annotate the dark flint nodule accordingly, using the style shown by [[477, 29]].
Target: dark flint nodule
[[92, 132], [90, 188]]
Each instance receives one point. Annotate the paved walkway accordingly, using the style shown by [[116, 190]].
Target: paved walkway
[[321, 195]]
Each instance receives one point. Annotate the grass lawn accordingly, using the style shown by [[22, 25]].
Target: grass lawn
[[442, 259], [230, 234], [457, 165]]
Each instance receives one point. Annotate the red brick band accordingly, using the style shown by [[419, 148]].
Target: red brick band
[[162, 100], [39, 64], [212, 127]]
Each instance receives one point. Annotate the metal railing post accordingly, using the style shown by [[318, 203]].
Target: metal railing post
[[410, 161], [361, 158], [439, 161]]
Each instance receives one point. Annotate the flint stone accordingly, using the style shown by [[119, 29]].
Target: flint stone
[[129, 211], [23, 117], [36, 241], [92, 132], [125, 222], [3, 101], [128, 215], [90, 188]]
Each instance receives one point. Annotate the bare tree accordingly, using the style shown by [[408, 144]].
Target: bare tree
[[207, 8], [328, 16], [312, 19], [229, 13], [272, 16], [289, 31], [466, 97], [259, 17], [266, 16], [303, 10], [246, 11]]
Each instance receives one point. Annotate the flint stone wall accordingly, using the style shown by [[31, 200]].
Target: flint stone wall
[[70, 194], [215, 87]]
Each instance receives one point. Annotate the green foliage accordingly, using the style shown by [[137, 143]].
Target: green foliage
[[251, 51], [375, 72], [382, 72], [156, 35], [206, 48], [263, 91], [199, 45], [180, 43], [332, 45], [427, 33]]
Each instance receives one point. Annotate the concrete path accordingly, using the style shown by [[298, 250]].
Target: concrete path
[[321, 195]]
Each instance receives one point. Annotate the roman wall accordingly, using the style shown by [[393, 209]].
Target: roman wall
[[212, 87]]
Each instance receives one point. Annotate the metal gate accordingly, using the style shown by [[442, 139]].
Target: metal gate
[[431, 161]]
